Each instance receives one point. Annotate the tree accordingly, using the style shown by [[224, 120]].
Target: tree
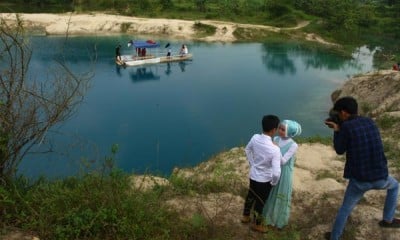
[[30, 107], [166, 4], [201, 5]]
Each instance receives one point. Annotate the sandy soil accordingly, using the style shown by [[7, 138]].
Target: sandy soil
[[103, 24]]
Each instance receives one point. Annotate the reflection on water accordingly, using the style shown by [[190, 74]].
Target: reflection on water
[[168, 70], [280, 57], [118, 69], [151, 72], [170, 66], [182, 65], [138, 74], [276, 58]]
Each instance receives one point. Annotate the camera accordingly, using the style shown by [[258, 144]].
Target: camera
[[333, 117]]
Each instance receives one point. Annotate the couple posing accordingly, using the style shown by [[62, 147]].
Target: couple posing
[[271, 162], [366, 168]]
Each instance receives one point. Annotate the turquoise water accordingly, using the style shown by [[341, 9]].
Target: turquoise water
[[179, 114]]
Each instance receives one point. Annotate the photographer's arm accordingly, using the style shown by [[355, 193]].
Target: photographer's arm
[[333, 125], [338, 137], [339, 141]]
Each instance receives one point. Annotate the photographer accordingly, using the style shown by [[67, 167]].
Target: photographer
[[366, 165]]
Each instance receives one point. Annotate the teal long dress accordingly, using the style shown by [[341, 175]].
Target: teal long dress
[[277, 207]]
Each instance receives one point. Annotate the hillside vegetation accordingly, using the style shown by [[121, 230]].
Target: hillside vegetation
[[348, 22]]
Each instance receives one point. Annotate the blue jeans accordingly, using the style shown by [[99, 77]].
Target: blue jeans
[[355, 190]]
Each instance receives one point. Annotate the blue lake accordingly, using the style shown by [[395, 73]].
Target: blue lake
[[180, 114]]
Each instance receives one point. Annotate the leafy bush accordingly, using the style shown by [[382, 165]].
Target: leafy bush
[[277, 9]]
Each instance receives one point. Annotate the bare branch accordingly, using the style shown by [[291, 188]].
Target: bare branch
[[29, 108]]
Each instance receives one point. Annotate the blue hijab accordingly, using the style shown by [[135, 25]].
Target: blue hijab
[[293, 128]]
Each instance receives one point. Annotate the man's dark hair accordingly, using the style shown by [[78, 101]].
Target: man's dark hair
[[347, 104], [270, 122]]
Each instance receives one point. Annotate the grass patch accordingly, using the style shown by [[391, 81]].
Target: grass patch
[[259, 35], [125, 27], [321, 212], [323, 174], [216, 178], [92, 207], [366, 108], [316, 139], [203, 30], [390, 127], [387, 122]]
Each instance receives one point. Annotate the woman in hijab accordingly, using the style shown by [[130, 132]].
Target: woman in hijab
[[277, 207]]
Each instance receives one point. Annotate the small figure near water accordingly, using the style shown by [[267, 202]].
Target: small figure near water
[[169, 53], [169, 50], [118, 53], [184, 50]]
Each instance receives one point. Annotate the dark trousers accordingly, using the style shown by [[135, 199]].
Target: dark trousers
[[257, 195]]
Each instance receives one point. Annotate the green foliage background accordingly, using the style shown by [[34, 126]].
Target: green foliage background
[[348, 22]]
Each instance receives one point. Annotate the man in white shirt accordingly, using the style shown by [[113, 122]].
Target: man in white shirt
[[265, 168]]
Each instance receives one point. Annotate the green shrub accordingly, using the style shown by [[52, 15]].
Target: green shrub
[[94, 206], [203, 30], [125, 27], [386, 121]]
